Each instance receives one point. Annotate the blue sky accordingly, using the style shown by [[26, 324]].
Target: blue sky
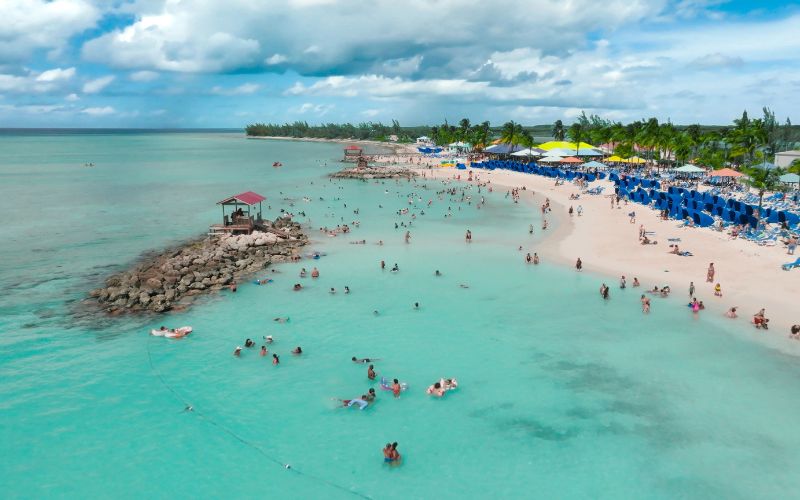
[[211, 63]]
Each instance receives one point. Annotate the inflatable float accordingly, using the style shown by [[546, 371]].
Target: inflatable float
[[387, 386], [262, 282], [172, 334], [445, 385]]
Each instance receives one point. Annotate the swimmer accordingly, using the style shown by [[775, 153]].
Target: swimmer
[[346, 290], [383, 265], [297, 287], [636, 282], [370, 396], [315, 273], [237, 351], [396, 388], [436, 390], [795, 332], [263, 350], [437, 273], [297, 350], [463, 285], [281, 320], [416, 305], [361, 402], [395, 454], [275, 359], [395, 268], [249, 343], [732, 312], [371, 372], [333, 291], [375, 312], [233, 287], [363, 360], [268, 339]]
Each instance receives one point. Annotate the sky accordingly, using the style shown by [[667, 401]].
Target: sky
[[214, 63]]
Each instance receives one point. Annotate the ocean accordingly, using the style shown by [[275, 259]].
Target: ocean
[[561, 394]]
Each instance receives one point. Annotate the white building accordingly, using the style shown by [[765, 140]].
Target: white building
[[784, 159], [424, 140]]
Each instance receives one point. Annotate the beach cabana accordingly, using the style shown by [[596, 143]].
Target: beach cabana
[[240, 219], [551, 159], [790, 179], [726, 172], [615, 158], [529, 152], [689, 169], [570, 159], [634, 160], [571, 146], [765, 166], [594, 164]]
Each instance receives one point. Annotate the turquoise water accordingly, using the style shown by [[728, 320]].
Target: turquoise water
[[562, 395]]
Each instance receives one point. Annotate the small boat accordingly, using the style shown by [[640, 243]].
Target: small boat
[[172, 333]]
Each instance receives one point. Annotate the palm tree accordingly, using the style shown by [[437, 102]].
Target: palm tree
[[527, 140], [511, 133], [464, 126], [558, 130], [576, 134], [763, 179]]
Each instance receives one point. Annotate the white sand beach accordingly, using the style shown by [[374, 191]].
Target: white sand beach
[[607, 242]]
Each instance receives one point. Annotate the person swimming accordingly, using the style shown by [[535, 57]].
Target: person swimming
[[268, 339], [281, 320], [249, 343], [237, 351], [297, 287], [371, 372], [364, 360], [437, 273], [297, 350], [263, 350], [275, 359], [370, 396]]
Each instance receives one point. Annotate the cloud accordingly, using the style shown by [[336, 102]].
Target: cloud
[[716, 60], [309, 108], [28, 25], [243, 89], [98, 84], [32, 109], [143, 76], [72, 98], [36, 83], [275, 59], [57, 74], [98, 111], [357, 36]]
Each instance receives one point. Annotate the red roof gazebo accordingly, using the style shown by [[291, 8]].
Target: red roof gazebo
[[240, 219], [352, 153]]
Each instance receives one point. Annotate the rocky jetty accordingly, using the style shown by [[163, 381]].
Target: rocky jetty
[[174, 278], [374, 173]]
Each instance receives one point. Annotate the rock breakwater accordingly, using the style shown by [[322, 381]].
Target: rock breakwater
[[374, 173], [174, 278]]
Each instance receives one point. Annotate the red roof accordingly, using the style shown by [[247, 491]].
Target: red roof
[[248, 198], [571, 159], [352, 147]]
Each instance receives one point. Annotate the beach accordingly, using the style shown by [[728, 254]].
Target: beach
[[559, 391], [608, 243]]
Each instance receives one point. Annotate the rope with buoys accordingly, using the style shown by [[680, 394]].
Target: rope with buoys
[[188, 408]]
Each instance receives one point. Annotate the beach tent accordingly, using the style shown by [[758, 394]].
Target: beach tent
[[765, 165], [503, 149], [726, 172], [570, 159], [634, 159], [689, 169], [615, 158], [594, 164], [551, 159], [563, 145], [790, 179], [529, 152]]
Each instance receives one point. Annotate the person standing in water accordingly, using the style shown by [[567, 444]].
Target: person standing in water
[[710, 273], [691, 289], [408, 236], [371, 372], [579, 264], [468, 236]]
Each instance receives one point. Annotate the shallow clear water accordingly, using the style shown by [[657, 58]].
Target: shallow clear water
[[561, 395]]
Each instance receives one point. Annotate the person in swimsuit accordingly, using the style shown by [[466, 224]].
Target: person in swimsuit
[[237, 351], [370, 396], [710, 273], [363, 360], [535, 259], [395, 454], [297, 350], [579, 264], [371, 372], [388, 456], [732, 313], [396, 388], [263, 350], [275, 359]]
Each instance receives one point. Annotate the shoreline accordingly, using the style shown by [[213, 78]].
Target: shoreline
[[394, 147], [750, 275]]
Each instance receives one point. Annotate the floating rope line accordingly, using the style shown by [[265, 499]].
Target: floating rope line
[[188, 408]]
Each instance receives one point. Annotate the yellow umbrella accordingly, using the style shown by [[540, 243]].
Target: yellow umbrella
[[615, 158], [547, 146]]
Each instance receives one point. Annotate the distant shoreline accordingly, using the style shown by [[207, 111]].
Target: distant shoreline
[[394, 147]]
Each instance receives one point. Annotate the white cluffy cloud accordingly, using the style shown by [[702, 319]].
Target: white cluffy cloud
[[36, 83], [244, 89], [28, 25], [98, 84], [98, 111], [143, 76]]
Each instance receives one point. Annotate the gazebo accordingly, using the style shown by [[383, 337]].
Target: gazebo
[[240, 219], [352, 153]]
